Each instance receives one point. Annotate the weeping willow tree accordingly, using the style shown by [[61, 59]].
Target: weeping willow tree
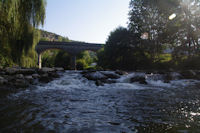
[[19, 20]]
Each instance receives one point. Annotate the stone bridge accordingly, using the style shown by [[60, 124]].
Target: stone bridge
[[72, 48]]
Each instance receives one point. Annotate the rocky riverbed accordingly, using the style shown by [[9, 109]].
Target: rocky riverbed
[[12, 79], [103, 101], [109, 77]]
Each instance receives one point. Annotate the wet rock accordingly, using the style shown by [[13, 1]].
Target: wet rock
[[59, 69], [88, 71], [3, 81], [26, 71], [109, 81], [11, 71], [171, 76], [110, 74], [139, 79], [20, 83], [1, 78], [19, 76], [95, 76], [14, 70], [45, 78], [121, 72], [29, 78], [99, 83], [46, 70], [189, 74], [35, 76], [114, 123], [54, 75], [2, 72]]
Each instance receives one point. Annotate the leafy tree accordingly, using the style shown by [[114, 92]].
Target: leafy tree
[[18, 19]]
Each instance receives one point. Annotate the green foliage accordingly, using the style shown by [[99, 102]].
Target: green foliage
[[62, 60], [121, 52], [150, 32], [18, 19], [81, 64]]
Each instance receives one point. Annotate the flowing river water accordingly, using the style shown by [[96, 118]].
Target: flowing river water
[[73, 104]]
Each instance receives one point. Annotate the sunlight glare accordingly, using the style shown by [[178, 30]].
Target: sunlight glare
[[172, 16]]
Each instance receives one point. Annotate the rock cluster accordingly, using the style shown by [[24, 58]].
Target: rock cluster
[[17, 77], [101, 77]]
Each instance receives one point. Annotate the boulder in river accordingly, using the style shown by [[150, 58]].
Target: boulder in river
[[19, 76], [11, 71], [140, 79], [29, 78], [110, 74], [54, 75], [35, 76], [46, 70], [121, 72], [189, 74], [99, 83], [59, 69], [45, 78], [3, 81], [95, 76], [21, 83]]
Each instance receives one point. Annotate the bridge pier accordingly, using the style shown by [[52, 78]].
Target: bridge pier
[[73, 62], [40, 60]]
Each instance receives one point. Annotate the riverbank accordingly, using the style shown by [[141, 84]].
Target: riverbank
[[16, 78]]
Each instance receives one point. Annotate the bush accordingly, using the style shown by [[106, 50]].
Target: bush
[[81, 64]]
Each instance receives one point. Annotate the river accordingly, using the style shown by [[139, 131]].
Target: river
[[72, 104]]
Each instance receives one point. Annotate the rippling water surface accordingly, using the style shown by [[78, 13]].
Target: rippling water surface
[[73, 104]]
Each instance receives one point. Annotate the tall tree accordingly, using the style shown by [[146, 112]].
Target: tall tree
[[18, 20]]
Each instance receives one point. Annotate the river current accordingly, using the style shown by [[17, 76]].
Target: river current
[[73, 104]]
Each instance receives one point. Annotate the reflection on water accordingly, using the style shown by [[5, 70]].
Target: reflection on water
[[74, 104]]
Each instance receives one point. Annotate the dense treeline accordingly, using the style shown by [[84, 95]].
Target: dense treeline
[[160, 35], [18, 35]]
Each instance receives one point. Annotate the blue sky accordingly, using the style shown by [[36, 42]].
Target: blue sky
[[86, 20]]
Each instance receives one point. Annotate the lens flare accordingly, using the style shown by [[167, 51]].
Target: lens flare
[[172, 16]]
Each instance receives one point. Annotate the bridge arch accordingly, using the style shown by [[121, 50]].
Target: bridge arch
[[73, 48]]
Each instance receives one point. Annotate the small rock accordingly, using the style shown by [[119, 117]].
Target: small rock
[[3, 81], [35, 76], [27, 71], [59, 69], [46, 70], [11, 71], [19, 76], [54, 75], [45, 78], [1, 78], [110, 74], [109, 81], [20, 83], [99, 83], [139, 79], [95, 76], [188, 74], [121, 72], [29, 79]]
